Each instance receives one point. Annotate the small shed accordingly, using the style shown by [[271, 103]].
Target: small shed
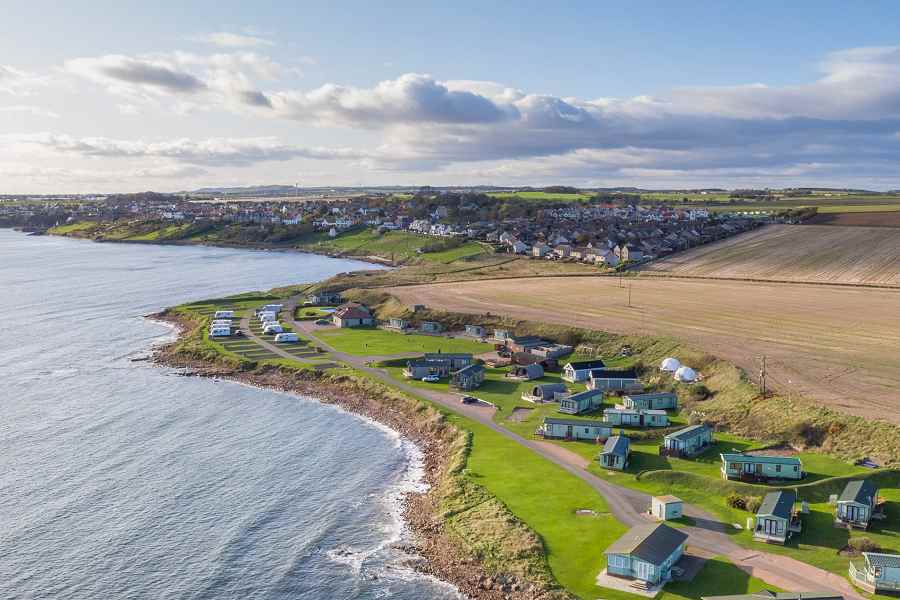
[[615, 453], [574, 429], [646, 552], [545, 392], [585, 401], [776, 520], [856, 504], [666, 507], [468, 378]]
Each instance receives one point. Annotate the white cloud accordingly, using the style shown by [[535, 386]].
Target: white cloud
[[227, 39], [17, 82], [36, 111], [209, 152]]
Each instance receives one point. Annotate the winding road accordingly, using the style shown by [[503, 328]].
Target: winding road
[[708, 536]]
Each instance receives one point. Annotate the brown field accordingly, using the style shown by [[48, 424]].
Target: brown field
[[858, 219], [835, 345], [809, 253]]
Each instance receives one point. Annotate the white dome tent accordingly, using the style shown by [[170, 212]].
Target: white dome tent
[[670, 365], [686, 374]]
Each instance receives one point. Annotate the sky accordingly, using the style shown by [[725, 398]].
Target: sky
[[128, 96]]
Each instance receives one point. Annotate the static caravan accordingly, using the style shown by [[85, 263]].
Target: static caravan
[[224, 314], [585, 401], [476, 331], [613, 379], [646, 553], [468, 378], [615, 453], [580, 370], [878, 572], [689, 441], [652, 401], [776, 520], [666, 507], [748, 467], [219, 331], [856, 504], [621, 416], [431, 327], [398, 323], [574, 429], [286, 338]]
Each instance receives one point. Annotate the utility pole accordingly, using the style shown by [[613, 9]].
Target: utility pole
[[762, 375]]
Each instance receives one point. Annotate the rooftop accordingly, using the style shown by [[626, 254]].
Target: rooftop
[[652, 542], [755, 458], [576, 422], [861, 491], [688, 432], [779, 504], [878, 559]]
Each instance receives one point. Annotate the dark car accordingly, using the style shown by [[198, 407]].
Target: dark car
[[469, 400], [239, 333]]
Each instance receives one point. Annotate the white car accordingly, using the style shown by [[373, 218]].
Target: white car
[[431, 379]]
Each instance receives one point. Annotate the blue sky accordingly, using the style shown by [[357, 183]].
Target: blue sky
[[129, 95]]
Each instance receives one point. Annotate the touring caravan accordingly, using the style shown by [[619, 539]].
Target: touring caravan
[[224, 314], [221, 323], [275, 308], [286, 338], [271, 328], [219, 331], [267, 317]]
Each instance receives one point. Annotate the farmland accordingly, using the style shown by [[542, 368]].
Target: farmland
[[796, 253], [814, 346]]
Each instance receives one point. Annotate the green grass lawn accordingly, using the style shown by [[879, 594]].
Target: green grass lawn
[[541, 196], [72, 227], [379, 342]]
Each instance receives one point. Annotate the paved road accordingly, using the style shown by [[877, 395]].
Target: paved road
[[628, 506]]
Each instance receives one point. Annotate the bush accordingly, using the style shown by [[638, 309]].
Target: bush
[[739, 501], [753, 503], [862, 544], [700, 392]]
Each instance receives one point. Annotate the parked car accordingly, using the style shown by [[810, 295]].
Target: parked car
[[431, 379], [239, 333], [323, 322], [469, 400]]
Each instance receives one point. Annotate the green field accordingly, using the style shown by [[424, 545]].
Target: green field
[[379, 342], [397, 246], [547, 196]]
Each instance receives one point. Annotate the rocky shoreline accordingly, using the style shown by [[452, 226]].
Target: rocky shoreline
[[441, 556]]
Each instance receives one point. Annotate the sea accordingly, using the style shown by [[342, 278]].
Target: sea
[[121, 479]]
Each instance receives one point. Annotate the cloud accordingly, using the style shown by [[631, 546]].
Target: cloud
[[227, 39], [209, 152], [36, 111], [67, 176], [157, 74], [17, 82]]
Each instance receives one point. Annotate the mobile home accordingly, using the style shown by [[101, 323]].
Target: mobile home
[[877, 572], [748, 467], [613, 379], [776, 519], [585, 401], [856, 504], [574, 429], [615, 453], [469, 377], [689, 441], [652, 401], [646, 553], [580, 370], [476, 331], [635, 418]]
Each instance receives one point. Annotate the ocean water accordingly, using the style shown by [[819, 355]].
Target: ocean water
[[119, 479]]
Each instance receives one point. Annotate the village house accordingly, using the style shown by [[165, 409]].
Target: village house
[[687, 442], [613, 379], [441, 364], [469, 377], [551, 351], [652, 401], [665, 508], [585, 401], [540, 250], [635, 418], [580, 370], [324, 298], [646, 553], [545, 392], [524, 343], [776, 519], [877, 572], [856, 504], [573, 429], [748, 467], [615, 453], [353, 315]]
